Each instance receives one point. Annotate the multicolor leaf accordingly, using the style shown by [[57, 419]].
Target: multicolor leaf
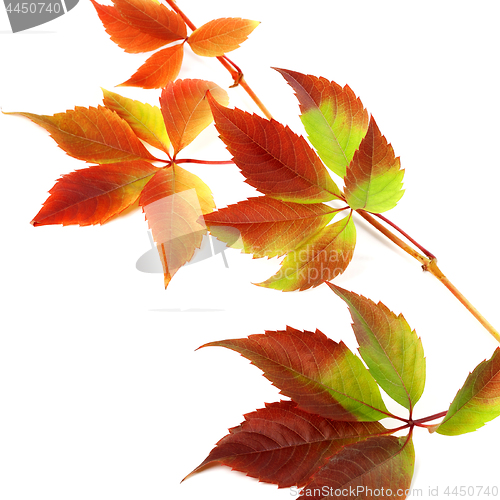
[[284, 445], [379, 467], [158, 70], [95, 135], [273, 159], [267, 227], [95, 194], [186, 111], [174, 201], [477, 402], [123, 33], [219, 36], [145, 120], [373, 180], [322, 257], [320, 375], [391, 350], [153, 18], [334, 118]]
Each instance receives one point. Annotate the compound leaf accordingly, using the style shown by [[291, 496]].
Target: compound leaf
[[95, 194], [320, 375], [174, 201], [145, 120], [219, 36], [391, 350], [284, 445], [273, 159], [322, 257], [477, 402], [384, 464], [158, 70], [186, 111], [373, 180], [95, 135], [334, 118]]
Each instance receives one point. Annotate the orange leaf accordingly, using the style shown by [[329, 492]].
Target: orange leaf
[[162, 67], [95, 135], [185, 110], [95, 194], [153, 19], [174, 201], [219, 36], [127, 37]]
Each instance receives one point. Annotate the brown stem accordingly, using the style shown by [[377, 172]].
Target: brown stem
[[206, 162], [233, 69], [421, 421], [430, 265]]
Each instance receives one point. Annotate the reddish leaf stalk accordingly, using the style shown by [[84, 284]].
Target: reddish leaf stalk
[[430, 265], [205, 162], [233, 69]]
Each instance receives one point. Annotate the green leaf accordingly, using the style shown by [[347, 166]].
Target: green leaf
[[477, 402], [391, 350]]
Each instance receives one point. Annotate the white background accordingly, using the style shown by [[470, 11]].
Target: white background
[[102, 394]]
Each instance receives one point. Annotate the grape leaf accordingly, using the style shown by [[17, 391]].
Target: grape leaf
[[477, 402], [145, 120], [322, 257], [152, 18], [159, 69], [373, 179], [95, 194], [391, 350], [123, 33], [284, 445], [320, 375], [219, 36], [186, 111], [174, 201], [382, 464], [273, 159], [334, 118], [95, 135], [267, 227]]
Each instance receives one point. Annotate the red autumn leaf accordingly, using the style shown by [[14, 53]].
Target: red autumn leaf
[[95, 194], [219, 36], [267, 227], [186, 111], [379, 467], [273, 159], [174, 201], [320, 375], [152, 18], [284, 445], [95, 135], [123, 33], [158, 70]]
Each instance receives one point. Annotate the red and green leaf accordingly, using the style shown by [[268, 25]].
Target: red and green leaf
[[284, 445], [320, 375], [95, 194], [174, 201], [95, 135], [219, 36], [373, 180], [322, 257], [186, 111], [477, 402], [158, 70], [127, 37], [391, 350], [334, 118], [384, 464], [145, 120], [273, 159]]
